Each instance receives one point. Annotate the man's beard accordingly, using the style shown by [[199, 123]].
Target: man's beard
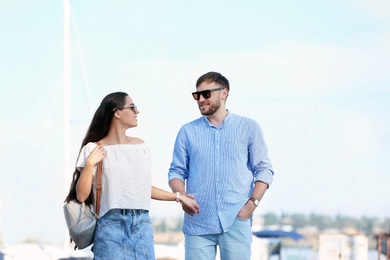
[[212, 108]]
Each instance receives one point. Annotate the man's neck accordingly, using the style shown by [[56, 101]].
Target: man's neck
[[218, 117]]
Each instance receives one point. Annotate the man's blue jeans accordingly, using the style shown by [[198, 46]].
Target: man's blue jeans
[[234, 244]]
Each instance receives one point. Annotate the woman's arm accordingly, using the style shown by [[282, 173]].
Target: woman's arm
[[160, 194], [84, 184]]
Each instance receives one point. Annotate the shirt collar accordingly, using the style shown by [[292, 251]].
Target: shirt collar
[[225, 121]]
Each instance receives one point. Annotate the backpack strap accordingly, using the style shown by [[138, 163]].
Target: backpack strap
[[98, 187]]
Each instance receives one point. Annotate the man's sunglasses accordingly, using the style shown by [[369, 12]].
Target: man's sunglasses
[[205, 93]]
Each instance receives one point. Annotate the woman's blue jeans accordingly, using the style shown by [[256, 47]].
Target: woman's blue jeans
[[124, 234]]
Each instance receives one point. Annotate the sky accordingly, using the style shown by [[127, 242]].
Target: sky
[[314, 75]]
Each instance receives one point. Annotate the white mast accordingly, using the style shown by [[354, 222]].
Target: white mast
[[67, 163]]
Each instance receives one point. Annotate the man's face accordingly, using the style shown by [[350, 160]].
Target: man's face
[[208, 106]]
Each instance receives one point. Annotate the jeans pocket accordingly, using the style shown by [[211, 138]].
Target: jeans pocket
[[243, 219], [145, 218]]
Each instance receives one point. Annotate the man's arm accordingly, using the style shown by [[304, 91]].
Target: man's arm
[[257, 194], [177, 185], [259, 190]]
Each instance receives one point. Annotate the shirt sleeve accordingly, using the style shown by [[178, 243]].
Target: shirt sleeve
[[84, 153], [258, 157], [180, 159]]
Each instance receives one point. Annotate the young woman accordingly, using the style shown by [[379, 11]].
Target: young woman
[[124, 229]]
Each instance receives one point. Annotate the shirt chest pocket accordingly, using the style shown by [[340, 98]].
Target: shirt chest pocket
[[234, 150]]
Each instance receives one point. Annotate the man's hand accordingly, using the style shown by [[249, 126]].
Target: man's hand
[[247, 211], [189, 210]]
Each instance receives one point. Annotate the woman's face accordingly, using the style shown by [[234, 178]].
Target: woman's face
[[128, 114]]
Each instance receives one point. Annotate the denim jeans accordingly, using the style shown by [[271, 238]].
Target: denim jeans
[[124, 234], [233, 244]]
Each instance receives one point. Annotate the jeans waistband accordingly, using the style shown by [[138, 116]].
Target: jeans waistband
[[130, 211]]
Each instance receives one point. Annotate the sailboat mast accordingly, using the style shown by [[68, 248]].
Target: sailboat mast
[[67, 168], [67, 171]]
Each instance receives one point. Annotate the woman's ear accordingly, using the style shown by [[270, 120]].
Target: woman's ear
[[117, 114]]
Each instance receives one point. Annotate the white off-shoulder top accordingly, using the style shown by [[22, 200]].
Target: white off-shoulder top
[[126, 176]]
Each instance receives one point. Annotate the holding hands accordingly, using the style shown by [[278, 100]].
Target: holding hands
[[189, 204]]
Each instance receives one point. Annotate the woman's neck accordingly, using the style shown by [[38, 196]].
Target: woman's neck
[[116, 136]]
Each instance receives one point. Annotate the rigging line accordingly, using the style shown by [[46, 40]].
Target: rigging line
[[80, 56], [28, 47], [51, 115]]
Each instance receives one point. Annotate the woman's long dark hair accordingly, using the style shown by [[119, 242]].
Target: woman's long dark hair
[[97, 130]]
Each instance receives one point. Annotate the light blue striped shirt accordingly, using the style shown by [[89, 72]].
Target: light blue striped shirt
[[219, 167]]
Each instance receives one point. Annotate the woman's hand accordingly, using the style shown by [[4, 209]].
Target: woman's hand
[[97, 154], [189, 204]]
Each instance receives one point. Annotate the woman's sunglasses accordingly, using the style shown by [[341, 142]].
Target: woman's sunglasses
[[205, 93], [132, 107]]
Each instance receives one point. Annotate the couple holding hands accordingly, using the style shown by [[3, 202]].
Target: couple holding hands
[[219, 172]]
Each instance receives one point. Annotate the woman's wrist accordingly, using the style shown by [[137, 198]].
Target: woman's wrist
[[178, 197]]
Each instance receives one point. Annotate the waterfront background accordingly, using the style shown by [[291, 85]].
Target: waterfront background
[[314, 74], [289, 253], [361, 231]]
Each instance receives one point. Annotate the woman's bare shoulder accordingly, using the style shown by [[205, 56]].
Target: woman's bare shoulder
[[134, 140]]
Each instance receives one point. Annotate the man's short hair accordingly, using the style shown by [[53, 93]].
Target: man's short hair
[[211, 77]]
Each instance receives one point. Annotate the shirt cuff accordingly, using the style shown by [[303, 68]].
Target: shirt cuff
[[266, 177]]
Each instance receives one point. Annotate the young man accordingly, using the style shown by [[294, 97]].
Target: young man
[[221, 159]]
